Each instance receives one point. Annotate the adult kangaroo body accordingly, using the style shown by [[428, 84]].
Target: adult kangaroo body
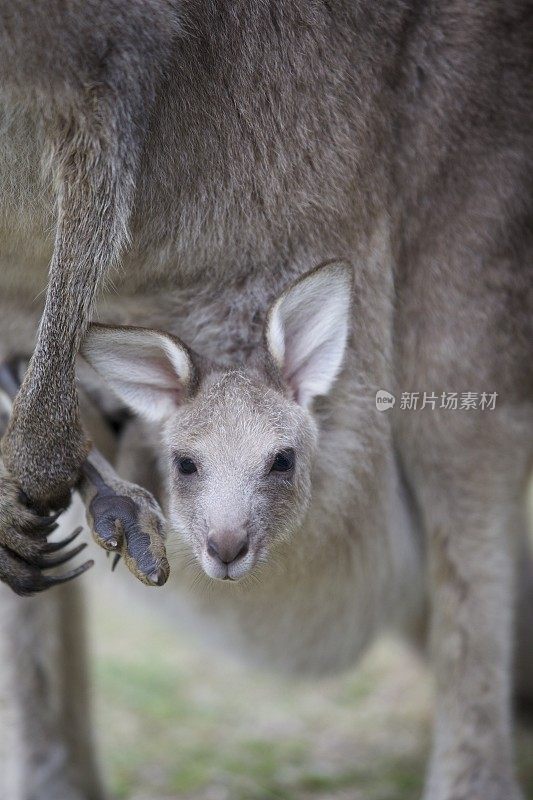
[[197, 156]]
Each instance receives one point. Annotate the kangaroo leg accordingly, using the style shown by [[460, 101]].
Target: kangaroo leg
[[92, 69], [468, 508], [50, 753]]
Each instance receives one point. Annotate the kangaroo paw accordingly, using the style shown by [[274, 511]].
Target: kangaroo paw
[[26, 555], [125, 520]]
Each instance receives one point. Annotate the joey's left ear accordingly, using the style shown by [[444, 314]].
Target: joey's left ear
[[307, 330], [151, 371]]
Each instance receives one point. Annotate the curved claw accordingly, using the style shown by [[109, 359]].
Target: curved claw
[[46, 521], [53, 547], [27, 578], [47, 581], [48, 562], [39, 533]]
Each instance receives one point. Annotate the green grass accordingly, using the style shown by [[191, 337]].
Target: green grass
[[176, 721]]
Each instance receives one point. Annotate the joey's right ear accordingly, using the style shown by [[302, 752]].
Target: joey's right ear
[[151, 371]]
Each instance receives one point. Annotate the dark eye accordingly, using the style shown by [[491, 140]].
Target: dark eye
[[284, 461], [186, 466]]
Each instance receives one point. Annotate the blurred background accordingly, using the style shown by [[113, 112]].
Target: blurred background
[[176, 720]]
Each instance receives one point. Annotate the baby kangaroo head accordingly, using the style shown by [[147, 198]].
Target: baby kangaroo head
[[240, 442]]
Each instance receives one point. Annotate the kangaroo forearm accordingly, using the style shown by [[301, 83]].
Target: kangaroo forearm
[[91, 69], [94, 205], [91, 229], [93, 217], [94, 142]]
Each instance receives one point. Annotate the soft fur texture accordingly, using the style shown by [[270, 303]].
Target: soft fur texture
[[236, 146]]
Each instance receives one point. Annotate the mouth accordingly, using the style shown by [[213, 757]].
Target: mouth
[[232, 572], [225, 572]]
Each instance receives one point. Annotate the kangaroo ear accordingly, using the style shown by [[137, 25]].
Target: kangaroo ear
[[307, 330], [151, 371]]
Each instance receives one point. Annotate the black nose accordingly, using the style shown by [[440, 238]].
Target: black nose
[[228, 546]]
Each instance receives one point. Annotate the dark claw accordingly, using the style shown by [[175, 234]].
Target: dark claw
[[50, 528], [116, 559], [53, 547], [26, 578], [48, 562], [45, 522], [48, 580], [40, 532]]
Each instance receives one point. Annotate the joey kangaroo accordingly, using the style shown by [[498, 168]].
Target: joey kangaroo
[[201, 157]]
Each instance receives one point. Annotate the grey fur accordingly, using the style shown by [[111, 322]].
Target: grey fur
[[243, 144]]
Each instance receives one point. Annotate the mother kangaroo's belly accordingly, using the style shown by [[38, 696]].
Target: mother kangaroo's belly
[[286, 620]]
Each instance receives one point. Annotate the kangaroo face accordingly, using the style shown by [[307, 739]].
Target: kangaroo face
[[240, 456], [240, 443]]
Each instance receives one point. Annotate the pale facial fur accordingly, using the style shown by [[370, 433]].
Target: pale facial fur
[[239, 443], [232, 431]]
